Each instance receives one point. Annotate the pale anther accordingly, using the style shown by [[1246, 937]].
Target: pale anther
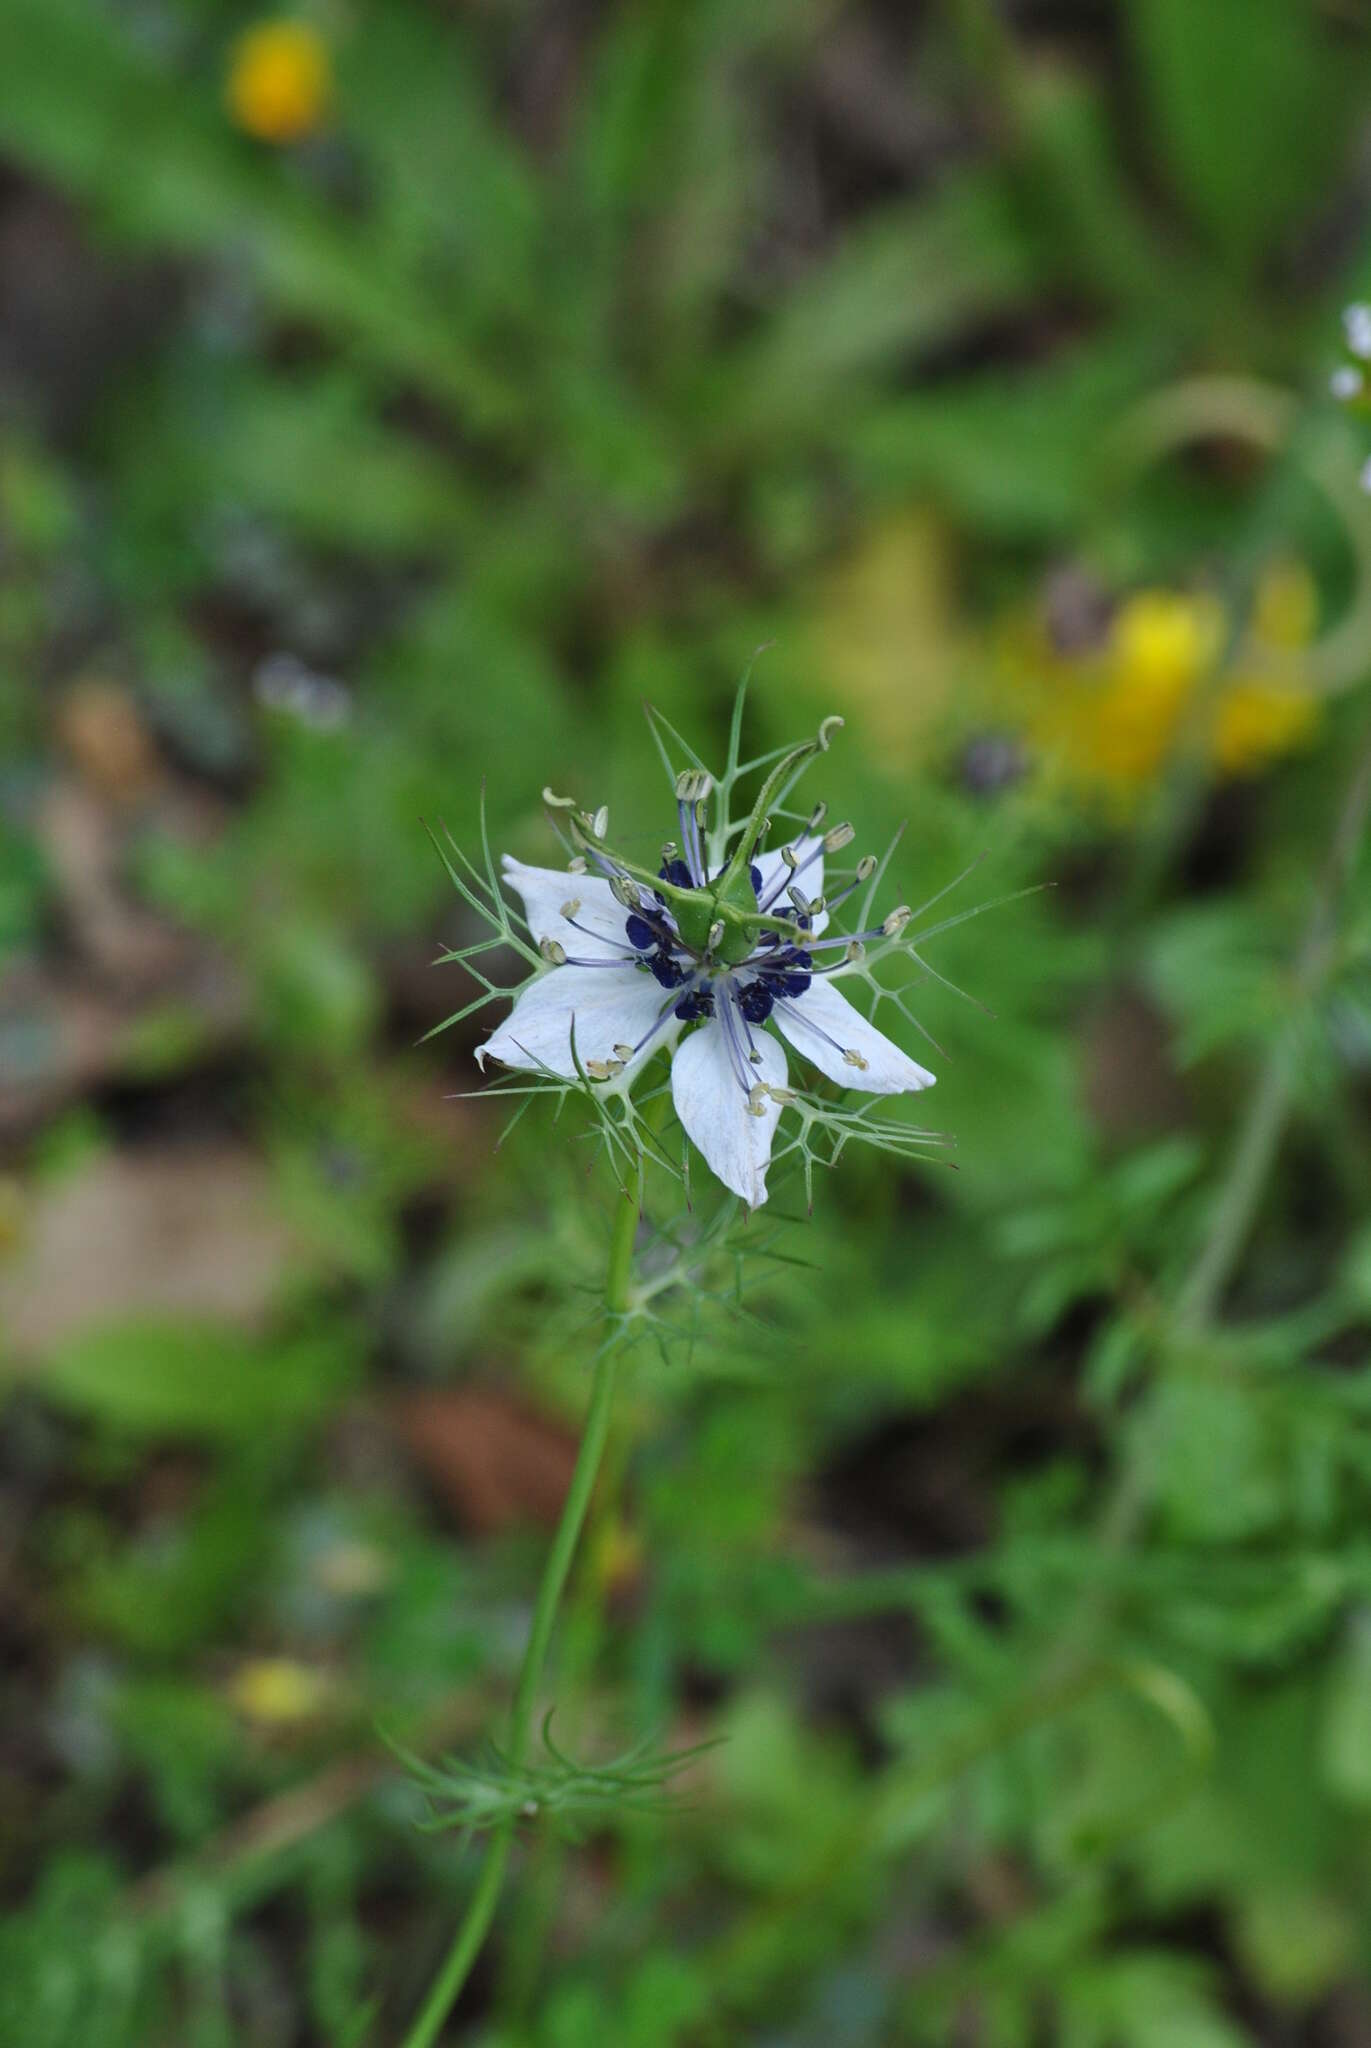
[[854, 1058], [570, 907], [554, 954], [839, 837], [866, 867], [897, 920], [599, 824], [693, 785]]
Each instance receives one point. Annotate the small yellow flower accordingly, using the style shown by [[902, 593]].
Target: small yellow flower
[[280, 81], [277, 1692]]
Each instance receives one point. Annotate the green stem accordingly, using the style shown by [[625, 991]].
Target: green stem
[[470, 1936]]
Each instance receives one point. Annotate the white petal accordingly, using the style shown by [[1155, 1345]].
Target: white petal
[[712, 1106], [546, 890], [810, 879], [610, 1005], [805, 1019]]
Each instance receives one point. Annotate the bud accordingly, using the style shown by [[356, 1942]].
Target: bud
[[599, 824], [1356, 327], [554, 954], [716, 934], [893, 925], [839, 837]]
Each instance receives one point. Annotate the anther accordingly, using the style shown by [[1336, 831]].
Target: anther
[[554, 954], [897, 920], [622, 1052], [756, 1101], [817, 816], [866, 867], [799, 899], [577, 864], [781, 1095], [570, 908], [854, 950], [839, 837], [790, 857], [693, 785], [854, 1058], [625, 891]]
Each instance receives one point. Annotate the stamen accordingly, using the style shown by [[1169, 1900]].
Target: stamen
[[570, 908], [839, 837], [554, 954], [728, 1018]]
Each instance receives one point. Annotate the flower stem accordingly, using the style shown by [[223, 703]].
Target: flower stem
[[470, 1936]]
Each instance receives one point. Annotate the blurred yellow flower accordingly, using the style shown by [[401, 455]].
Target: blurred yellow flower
[[1255, 723], [277, 1692], [1111, 718], [280, 81]]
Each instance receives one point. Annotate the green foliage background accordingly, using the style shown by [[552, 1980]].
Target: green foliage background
[[1013, 1538]]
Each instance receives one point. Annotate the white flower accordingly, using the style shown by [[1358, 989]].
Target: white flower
[[700, 964]]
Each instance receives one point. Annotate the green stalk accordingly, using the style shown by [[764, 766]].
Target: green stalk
[[471, 1935]]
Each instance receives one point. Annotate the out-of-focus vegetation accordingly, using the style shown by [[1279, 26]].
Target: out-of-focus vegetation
[[391, 400]]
